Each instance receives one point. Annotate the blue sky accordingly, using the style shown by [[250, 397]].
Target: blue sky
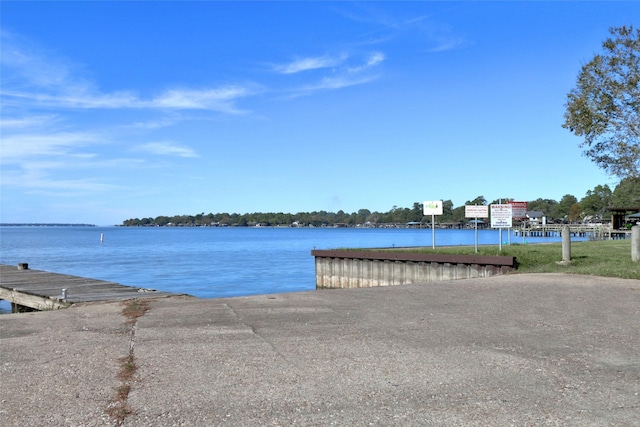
[[117, 110]]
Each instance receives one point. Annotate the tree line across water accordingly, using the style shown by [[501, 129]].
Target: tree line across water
[[602, 109], [591, 208]]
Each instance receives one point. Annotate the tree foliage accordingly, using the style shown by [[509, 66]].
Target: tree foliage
[[627, 193], [563, 208], [547, 206], [596, 201], [593, 205], [604, 107]]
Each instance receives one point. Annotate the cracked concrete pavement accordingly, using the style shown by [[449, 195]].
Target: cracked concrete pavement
[[518, 350]]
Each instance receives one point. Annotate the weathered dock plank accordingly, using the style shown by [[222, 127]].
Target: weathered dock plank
[[42, 290]]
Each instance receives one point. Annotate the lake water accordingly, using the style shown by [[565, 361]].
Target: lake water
[[206, 262]]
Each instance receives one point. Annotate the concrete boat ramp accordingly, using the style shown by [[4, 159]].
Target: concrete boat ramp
[[509, 350], [41, 290]]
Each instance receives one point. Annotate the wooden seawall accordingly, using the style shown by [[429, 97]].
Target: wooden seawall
[[42, 290], [363, 269]]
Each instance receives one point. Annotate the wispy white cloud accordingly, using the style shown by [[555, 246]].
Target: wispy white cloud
[[445, 44], [218, 99], [374, 59], [372, 15], [214, 99], [27, 122], [310, 63], [55, 163], [60, 173], [52, 154], [332, 83], [350, 74], [70, 98], [165, 148], [30, 64], [45, 150], [154, 123], [430, 33], [33, 76], [40, 181], [18, 147]]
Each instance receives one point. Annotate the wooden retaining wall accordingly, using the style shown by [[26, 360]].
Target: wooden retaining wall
[[364, 269]]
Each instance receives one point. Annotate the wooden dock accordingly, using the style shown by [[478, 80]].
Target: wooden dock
[[42, 290], [592, 231]]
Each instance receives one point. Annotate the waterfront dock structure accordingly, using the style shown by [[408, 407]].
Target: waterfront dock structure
[[42, 290], [592, 231]]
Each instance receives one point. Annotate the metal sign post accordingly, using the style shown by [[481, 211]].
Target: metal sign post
[[476, 212], [501, 218], [433, 208], [518, 212], [433, 231]]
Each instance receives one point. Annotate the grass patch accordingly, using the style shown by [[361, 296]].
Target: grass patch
[[119, 412], [119, 409], [123, 393], [127, 368], [609, 258], [134, 308]]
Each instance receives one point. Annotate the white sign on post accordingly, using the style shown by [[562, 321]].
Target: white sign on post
[[433, 208], [501, 216], [481, 211], [476, 212]]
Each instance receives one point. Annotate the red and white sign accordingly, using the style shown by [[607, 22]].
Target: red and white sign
[[518, 209]]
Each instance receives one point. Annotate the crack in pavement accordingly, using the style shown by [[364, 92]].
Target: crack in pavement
[[119, 409], [254, 331]]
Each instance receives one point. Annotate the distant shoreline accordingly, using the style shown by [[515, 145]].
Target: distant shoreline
[[44, 225]]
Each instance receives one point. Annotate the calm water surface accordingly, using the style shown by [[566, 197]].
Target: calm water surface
[[205, 262]]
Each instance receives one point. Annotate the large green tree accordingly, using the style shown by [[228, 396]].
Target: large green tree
[[563, 208], [546, 206], [480, 200], [627, 194], [604, 107], [596, 201]]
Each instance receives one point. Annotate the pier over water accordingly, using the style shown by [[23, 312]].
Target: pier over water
[[29, 290], [591, 231]]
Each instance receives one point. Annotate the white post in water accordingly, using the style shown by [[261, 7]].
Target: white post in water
[[101, 237], [635, 243]]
